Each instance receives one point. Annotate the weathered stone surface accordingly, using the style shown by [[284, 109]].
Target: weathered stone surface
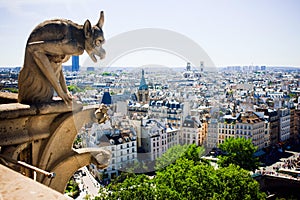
[[20, 123], [13, 185], [59, 107], [16, 110], [72, 162], [7, 97]]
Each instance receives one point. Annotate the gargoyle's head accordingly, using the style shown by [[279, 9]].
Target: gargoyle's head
[[101, 158], [94, 38]]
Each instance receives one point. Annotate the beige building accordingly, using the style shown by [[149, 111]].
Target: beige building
[[247, 125], [203, 132]]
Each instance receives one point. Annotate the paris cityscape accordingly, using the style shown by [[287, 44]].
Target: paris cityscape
[[140, 100], [152, 109]]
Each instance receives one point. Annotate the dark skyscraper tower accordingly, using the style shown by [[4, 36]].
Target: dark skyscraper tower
[[75, 63]]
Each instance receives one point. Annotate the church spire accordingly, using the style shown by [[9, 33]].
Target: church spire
[[143, 84]]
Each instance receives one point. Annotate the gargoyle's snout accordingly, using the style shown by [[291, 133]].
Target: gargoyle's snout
[[100, 52]]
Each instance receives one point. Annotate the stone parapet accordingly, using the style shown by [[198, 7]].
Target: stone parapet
[[13, 185]]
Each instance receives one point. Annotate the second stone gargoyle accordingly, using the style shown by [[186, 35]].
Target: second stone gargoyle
[[101, 114]]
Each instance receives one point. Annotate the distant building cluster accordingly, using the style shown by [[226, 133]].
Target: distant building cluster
[[152, 110]]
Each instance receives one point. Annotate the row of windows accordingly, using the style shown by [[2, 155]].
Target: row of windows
[[122, 159], [240, 126], [122, 146], [189, 135], [123, 152]]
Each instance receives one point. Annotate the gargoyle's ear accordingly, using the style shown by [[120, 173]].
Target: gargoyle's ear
[[101, 20], [87, 29]]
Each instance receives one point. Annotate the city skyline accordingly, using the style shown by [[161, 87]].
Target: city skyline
[[230, 32]]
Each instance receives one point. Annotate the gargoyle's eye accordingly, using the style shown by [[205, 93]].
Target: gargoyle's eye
[[99, 42]]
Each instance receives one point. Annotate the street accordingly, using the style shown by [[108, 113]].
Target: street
[[87, 184]]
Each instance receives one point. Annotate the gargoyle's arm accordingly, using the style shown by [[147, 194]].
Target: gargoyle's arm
[[63, 82]]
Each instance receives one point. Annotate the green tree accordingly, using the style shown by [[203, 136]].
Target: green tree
[[194, 152], [106, 74], [137, 187], [74, 88], [170, 156], [187, 178], [238, 151], [72, 188], [12, 90], [191, 152], [237, 183]]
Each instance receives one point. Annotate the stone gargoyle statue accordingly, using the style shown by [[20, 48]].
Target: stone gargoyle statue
[[49, 45], [101, 114]]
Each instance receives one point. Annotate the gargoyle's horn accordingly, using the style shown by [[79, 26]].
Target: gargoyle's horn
[[101, 20]]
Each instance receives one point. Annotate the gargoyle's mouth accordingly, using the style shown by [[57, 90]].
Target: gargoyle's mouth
[[93, 57]]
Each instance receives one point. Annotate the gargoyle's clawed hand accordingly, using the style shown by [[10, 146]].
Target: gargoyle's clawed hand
[[67, 98]]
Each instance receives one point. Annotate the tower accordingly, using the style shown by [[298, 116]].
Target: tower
[[188, 67], [143, 91], [201, 66], [75, 63]]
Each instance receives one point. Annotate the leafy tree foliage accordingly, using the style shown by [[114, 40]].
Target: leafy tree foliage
[[191, 152], [238, 151], [187, 178], [170, 156], [137, 187], [74, 88], [236, 183], [72, 189], [12, 90]]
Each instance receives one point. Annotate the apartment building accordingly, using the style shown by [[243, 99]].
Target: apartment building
[[284, 124], [247, 125]]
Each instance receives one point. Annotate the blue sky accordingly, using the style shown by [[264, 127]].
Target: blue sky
[[232, 32]]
